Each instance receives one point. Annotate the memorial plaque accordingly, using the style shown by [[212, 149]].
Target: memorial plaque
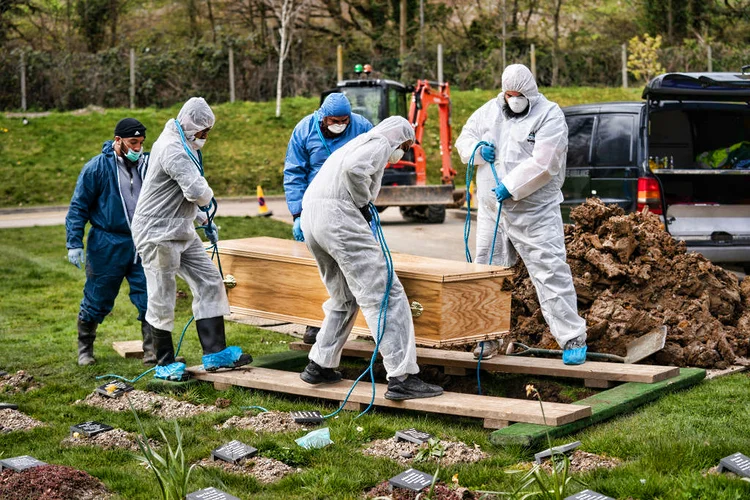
[[8, 406], [588, 495], [413, 436], [114, 389], [737, 463], [307, 417], [233, 452], [21, 463], [411, 479], [566, 448], [210, 494], [3, 373], [90, 428]]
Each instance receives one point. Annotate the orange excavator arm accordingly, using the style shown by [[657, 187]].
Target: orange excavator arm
[[424, 95]]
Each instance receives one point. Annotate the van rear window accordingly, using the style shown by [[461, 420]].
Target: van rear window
[[580, 128], [614, 141]]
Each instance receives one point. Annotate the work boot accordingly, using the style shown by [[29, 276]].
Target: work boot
[[491, 348], [316, 374], [213, 341], [163, 346], [311, 332], [411, 388], [149, 355], [86, 337]]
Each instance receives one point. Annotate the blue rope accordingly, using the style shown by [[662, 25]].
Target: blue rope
[[382, 317]]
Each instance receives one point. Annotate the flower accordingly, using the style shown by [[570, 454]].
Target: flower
[[360, 429], [454, 480], [530, 390]]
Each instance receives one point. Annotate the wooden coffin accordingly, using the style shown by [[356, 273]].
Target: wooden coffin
[[279, 280]]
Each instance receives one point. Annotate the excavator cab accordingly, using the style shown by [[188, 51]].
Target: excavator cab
[[404, 184]]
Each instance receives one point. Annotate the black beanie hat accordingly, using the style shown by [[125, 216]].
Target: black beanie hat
[[130, 127]]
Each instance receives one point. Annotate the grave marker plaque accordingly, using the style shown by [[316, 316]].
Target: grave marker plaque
[[589, 495], [737, 463], [233, 452], [21, 463], [413, 436], [566, 448], [8, 406], [210, 494], [90, 428], [114, 389], [411, 479], [307, 417], [3, 373]]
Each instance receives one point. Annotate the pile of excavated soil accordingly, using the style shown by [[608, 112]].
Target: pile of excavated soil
[[14, 420], [632, 276], [441, 491], [265, 470], [268, 421], [581, 461], [110, 440], [18, 382], [159, 406], [51, 482], [405, 451]]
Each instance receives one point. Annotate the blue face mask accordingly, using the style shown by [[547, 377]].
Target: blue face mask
[[133, 155]]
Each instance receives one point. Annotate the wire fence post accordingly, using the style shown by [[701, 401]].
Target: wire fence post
[[533, 61], [23, 82], [624, 66], [132, 78], [710, 60], [339, 63], [231, 74], [440, 63]]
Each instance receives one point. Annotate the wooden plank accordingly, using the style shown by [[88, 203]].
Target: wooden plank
[[591, 370], [450, 403], [129, 348], [406, 266]]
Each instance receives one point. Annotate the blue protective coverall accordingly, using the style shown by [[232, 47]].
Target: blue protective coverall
[[110, 251], [307, 149]]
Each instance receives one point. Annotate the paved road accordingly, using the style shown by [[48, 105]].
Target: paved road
[[431, 240]]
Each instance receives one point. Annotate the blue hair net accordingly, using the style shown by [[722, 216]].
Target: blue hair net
[[335, 104]]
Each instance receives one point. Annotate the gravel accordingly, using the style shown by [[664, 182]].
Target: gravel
[[265, 470], [581, 461], [155, 404], [18, 382], [269, 421], [404, 451], [51, 482], [114, 439], [14, 420]]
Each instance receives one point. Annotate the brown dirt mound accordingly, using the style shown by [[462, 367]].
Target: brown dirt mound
[[440, 492], [268, 421], [14, 420], [18, 382], [581, 461], [114, 439], [159, 406], [51, 482], [631, 276], [265, 470], [404, 451]]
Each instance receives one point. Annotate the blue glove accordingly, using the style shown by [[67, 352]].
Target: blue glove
[[488, 153], [222, 359], [575, 356], [297, 229], [175, 371], [212, 233], [75, 257], [501, 193]]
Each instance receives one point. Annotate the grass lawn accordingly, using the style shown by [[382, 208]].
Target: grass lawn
[[667, 446], [40, 162]]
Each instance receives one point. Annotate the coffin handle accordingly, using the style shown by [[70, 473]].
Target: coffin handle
[[416, 309], [230, 281]]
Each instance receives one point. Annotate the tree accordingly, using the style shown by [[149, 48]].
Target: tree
[[286, 13], [9, 11], [643, 58]]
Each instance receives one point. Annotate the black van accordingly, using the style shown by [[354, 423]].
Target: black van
[[639, 154]]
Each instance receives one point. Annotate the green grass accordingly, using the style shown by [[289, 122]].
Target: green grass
[[668, 444], [40, 162]]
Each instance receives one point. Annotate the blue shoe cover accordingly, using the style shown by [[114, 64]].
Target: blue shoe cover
[[222, 359], [575, 356], [319, 438], [175, 371]]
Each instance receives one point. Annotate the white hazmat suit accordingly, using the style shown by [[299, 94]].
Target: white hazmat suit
[[350, 260], [163, 225], [530, 152]]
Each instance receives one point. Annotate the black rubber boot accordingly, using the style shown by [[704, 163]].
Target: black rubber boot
[[212, 336], [86, 337], [411, 388], [163, 346], [311, 332], [316, 374], [149, 355]]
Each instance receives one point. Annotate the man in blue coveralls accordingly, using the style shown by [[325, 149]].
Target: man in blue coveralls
[[315, 137], [105, 196]]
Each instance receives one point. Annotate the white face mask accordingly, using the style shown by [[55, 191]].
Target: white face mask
[[518, 103], [396, 156], [199, 143], [337, 128]]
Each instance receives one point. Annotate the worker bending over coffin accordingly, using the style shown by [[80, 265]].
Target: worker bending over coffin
[[166, 239], [338, 233], [528, 140]]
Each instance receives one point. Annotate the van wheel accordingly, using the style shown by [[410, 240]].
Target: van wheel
[[431, 214]]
